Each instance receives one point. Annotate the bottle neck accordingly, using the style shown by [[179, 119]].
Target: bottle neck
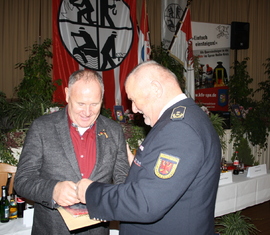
[[4, 194]]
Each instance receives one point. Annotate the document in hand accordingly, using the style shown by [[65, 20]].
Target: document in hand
[[76, 216]]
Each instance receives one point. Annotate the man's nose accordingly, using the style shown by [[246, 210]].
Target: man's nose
[[88, 110], [134, 108]]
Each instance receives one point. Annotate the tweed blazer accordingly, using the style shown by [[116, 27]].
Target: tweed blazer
[[48, 157]]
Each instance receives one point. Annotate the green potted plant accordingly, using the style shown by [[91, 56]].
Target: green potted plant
[[253, 123], [134, 135], [135, 130], [244, 153], [35, 92], [218, 122], [161, 55], [11, 143], [235, 224], [34, 98], [6, 155]]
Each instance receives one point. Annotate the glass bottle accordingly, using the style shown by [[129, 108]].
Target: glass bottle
[[4, 206], [20, 206], [236, 160], [13, 211], [224, 167]]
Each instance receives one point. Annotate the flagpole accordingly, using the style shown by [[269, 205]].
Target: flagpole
[[181, 49], [179, 25]]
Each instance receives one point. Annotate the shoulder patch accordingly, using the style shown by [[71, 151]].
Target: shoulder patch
[[178, 113], [166, 166]]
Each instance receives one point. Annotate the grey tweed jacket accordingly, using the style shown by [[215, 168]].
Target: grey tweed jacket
[[48, 157]]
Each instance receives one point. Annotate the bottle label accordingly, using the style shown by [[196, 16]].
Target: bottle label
[[6, 215], [236, 162], [13, 213]]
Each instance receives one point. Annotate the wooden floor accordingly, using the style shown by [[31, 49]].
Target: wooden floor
[[260, 217]]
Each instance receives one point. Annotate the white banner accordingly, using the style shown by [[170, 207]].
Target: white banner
[[171, 13], [211, 43]]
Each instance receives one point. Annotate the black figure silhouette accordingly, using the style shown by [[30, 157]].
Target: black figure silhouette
[[85, 9], [107, 48], [88, 48]]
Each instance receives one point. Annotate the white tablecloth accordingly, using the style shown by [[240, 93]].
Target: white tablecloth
[[242, 193], [23, 226], [15, 227]]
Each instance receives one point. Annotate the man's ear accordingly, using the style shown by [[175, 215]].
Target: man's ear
[[156, 88], [67, 93]]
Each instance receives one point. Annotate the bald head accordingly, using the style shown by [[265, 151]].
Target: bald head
[[150, 87]]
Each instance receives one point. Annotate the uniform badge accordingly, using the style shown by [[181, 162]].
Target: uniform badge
[[178, 113], [166, 166]]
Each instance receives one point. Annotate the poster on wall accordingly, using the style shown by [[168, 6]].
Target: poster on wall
[[211, 46]]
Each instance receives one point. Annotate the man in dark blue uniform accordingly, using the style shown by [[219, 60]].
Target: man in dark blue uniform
[[172, 184]]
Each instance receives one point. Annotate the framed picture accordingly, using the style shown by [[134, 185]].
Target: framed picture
[[119, 113], [236, 109]]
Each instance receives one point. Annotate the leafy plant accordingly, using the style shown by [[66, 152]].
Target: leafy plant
[[3, 105], [265, 85], [239, 90], [6, 156], [235, 224], [254, 123], [161, 55], [24, 111], [6, 153], [35, 92], [37, 80], [134, 134], [244, 153], [106, 112], [217, 122]]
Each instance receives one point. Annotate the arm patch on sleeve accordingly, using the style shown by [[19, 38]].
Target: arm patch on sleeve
[[166, 166]]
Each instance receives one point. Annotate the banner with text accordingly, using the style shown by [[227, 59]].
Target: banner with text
[[211, 45]]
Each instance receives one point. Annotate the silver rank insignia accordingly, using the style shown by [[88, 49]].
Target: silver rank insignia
[[178, 113], [166, 166]]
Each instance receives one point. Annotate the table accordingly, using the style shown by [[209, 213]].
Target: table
[[23, 226], [15, 227], [242, 193]]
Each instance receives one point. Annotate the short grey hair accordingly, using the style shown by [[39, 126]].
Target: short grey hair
[[88, 75]]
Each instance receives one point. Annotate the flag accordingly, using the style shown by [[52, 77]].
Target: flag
[[181, 49], [90, 35], [171, 13], [144, 47]]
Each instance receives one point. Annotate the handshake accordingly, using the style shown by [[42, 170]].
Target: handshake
[[67, 193]]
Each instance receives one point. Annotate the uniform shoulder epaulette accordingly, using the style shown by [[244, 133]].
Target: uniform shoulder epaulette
[[178, 113]]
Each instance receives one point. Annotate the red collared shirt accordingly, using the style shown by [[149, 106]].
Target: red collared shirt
[[85, 148]]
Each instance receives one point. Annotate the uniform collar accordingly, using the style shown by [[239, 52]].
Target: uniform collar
[[172, 102]]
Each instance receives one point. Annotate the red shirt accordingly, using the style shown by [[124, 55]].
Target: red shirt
[[85, 148]]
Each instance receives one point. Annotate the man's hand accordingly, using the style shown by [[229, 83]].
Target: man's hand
[[130, 155], [82, 186], [64, 193]]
